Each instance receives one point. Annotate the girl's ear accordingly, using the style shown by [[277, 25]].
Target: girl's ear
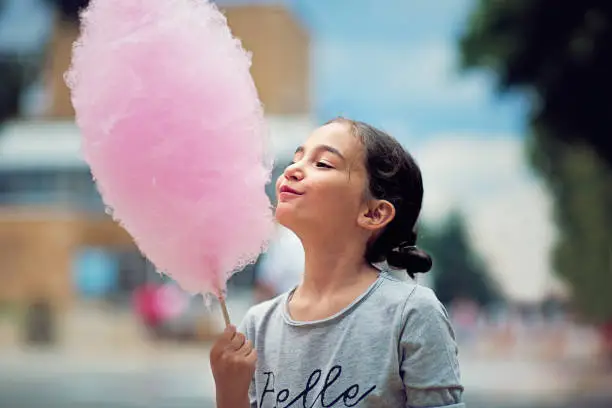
[[376, 215]]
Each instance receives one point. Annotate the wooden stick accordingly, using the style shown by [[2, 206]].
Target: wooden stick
[[226, 316]]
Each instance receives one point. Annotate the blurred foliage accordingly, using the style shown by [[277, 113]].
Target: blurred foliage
[[18, 73], [458, 271], [69, 9], [582, 186], [559, 53], [12, 82]]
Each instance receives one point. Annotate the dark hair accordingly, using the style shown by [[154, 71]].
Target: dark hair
[[393, 176]]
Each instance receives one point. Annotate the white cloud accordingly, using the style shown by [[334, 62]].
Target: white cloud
[[400, 129], [507, 210], [425, 74], [430, 73]]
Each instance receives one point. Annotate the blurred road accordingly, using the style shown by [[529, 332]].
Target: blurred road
[[171, 378], [105, 363], [150, 378]]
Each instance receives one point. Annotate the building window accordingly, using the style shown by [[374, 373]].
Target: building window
[[65, 187]]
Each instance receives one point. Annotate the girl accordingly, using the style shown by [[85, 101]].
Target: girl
[[351, 334]]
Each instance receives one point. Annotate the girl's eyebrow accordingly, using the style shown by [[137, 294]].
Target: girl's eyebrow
[[324, 147]]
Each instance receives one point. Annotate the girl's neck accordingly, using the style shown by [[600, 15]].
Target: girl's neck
[[333, 265]]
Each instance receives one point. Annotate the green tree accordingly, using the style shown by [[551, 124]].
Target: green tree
[[582, 186], [12, 82], [458, 271], [69, 9], [559, 54]]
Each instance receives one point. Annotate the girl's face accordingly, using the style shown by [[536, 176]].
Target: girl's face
[[324, 188]]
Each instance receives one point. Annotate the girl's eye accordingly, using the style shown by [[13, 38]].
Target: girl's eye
[[323, 165]]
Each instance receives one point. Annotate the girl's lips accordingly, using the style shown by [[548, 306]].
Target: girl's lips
[[289, 190]]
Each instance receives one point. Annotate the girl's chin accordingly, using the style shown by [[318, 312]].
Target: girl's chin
[[286, 216], [281, 215]]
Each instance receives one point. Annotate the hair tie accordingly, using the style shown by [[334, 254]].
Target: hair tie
[[404, 247]]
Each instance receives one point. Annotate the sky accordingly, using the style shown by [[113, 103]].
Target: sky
[[394, 63], [24, 25]]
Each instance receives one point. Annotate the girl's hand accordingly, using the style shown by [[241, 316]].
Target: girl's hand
[[232, 359]]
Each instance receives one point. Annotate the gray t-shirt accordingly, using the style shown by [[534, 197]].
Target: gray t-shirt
[[392, 347]]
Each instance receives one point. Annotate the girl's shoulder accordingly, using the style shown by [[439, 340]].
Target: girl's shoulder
[[409, 295], [262, 311]]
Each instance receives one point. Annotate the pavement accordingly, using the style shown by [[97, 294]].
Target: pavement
[[179, 376], [109, 364]]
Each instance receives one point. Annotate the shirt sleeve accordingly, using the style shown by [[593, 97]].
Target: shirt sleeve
[[246, 327], [428, 354]]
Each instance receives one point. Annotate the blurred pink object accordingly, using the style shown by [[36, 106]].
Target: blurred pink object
[[174, 133], [146, 305], [171, 301]]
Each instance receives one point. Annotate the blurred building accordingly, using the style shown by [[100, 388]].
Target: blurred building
[[54, 234]]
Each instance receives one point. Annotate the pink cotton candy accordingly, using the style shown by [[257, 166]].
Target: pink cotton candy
[[174, 133]]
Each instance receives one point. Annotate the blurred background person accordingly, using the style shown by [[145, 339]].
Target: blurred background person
[[281, 266]]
